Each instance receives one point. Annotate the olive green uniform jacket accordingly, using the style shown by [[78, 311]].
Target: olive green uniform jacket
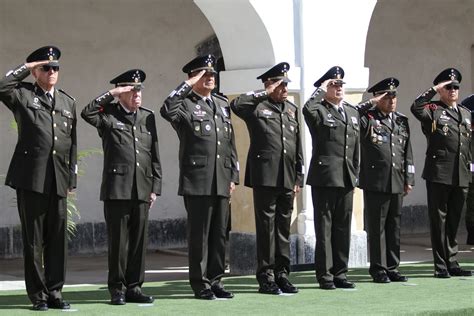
[[46, 150], [130, 144]]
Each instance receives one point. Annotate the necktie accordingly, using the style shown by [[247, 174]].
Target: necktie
[[211, 104], [341, 111], [50, 98]]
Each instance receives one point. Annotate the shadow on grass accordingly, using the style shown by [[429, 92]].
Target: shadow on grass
[[176, 290]]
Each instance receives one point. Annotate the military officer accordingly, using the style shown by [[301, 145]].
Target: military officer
[[209, 171], [386, 175], [333, 172], [447, 127], [131, 180], [42, 171], [469, 103], [274, 171]]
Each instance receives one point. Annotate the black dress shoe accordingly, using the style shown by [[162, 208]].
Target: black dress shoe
[[442, 274], [328, 285], [220, 292], [381, 277], [397, 277], [40, 306], [269, 287], [117, 299], [343, 284], [285, 286], [205, 294], [133, 297], [458, 271], [58, 303]]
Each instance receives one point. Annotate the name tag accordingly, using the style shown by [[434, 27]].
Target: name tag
[[411, 168]]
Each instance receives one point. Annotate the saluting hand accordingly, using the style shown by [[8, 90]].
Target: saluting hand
[[441, 85], [375, 100], [118, 90], [191, 81], [326, 83], [34, 64], [273, 86]]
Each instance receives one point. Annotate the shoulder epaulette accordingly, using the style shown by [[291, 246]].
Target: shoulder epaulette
[[349, 105], [27, 85], [220, 97], [463, 107], [146, 109], [65, 93], [401, 115], [291, 103]]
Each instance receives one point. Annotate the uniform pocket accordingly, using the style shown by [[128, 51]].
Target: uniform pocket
[[119, 169], [196, 161]]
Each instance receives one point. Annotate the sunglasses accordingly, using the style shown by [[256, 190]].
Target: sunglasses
[[451, 87], [48, 68]]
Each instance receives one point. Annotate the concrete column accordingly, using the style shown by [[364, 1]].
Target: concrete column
[[330, 36]]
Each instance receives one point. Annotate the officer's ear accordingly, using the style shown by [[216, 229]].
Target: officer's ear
[[34, 72]]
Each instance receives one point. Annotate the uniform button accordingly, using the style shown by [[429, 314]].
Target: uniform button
[[434, 156], [258, 156], [283, 125], [54, 112], [393, 135], [136, 139], [138, 164], [134, 128], [284, 138], [393, 144], [215, 117], [218, 156], [218, 142], [347, 146], [137, 151], [393, 154], [460, 144], [54, 125], [347, 136], [319, 162], [194, 162], [26, 152], [54, 152], [284, 151], [217, 129], [345, 157], [373, 167], [393, 164], [115, 170], [55, 137]]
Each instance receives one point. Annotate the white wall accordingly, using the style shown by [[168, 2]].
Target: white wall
[[413, 41], [100, 39]]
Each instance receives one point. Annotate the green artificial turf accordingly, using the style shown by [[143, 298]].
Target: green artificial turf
[[422, 295]]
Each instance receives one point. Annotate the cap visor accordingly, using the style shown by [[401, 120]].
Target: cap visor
[[53, 63]]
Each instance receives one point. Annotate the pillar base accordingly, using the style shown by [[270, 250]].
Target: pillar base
[[243, 253]]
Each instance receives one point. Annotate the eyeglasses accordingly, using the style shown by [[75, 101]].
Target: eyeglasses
[[451, 87], [47, 68]]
